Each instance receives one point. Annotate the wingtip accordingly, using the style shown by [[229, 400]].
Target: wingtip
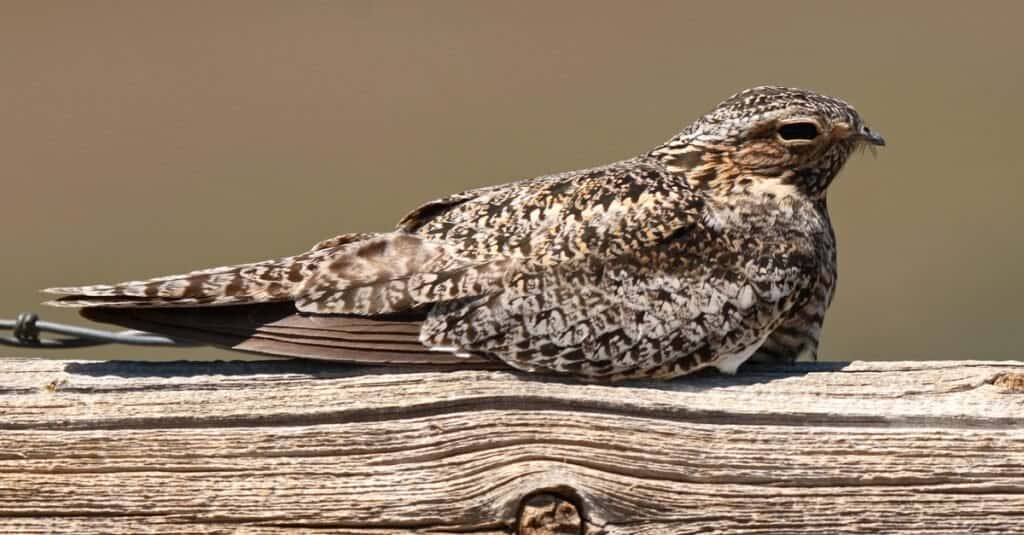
[[96, 290], [77, 300], [63, 304]]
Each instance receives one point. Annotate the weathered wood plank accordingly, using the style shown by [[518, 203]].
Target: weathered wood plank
[[279, 445]]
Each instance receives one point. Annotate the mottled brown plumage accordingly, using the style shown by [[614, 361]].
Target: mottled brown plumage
[[698, 253]]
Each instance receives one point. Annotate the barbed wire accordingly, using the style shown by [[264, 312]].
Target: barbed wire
[[26, 330]]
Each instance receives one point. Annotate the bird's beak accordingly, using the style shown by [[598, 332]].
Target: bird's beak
[[873, 138]]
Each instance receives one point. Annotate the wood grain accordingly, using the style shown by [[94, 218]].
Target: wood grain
[[270, 446]]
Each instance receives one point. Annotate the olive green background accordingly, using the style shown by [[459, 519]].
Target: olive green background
[[148, 138]]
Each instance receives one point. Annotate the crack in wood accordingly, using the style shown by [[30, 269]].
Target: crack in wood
[[531, 404]]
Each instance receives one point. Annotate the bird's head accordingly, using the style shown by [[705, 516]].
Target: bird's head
[[773, 140]]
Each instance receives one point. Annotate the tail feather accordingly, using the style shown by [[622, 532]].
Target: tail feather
[[352, 263], [258, 307], [267, 281], [277, 329]]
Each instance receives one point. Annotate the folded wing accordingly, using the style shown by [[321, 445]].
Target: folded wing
[[604, 272]]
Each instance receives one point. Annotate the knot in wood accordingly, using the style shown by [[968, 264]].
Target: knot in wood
[[1009, 381], [549, 514]]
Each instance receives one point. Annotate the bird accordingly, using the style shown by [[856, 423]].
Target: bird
[[708, 250]]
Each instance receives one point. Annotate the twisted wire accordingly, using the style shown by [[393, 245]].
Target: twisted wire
[[27, 331]]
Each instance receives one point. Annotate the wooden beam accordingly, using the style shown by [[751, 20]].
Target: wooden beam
[[269, 446]]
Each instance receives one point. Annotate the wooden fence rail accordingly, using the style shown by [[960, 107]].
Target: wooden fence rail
[[273, 446]]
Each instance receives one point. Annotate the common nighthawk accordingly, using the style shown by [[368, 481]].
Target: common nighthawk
[[699, 253]]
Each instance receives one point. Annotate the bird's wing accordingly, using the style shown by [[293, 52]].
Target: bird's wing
[[468, 245], [428, 211], [603, 211], [600, 272], [603, 272], [467, 239]]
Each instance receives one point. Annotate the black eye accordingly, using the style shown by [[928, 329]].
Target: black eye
[[798, 131]]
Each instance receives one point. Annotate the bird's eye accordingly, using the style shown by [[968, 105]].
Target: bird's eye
[[798, 132]]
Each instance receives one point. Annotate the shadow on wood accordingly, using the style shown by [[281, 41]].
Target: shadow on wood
[[269, 446]]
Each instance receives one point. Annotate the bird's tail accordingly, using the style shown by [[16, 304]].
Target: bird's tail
[[271, 280], [259, 282], [277, 329]]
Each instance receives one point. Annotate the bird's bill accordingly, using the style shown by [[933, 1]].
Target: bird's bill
[[863, 134], [872, 138]]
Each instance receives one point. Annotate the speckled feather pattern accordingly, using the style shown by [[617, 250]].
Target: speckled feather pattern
[[710, 246]]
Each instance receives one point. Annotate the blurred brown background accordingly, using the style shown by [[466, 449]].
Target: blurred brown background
[[145, 138]]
